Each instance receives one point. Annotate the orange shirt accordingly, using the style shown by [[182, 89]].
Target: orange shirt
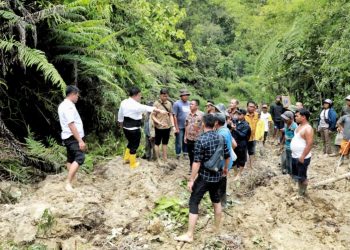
[[252, 119]]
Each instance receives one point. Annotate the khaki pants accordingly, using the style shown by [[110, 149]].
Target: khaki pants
[[326, 139]]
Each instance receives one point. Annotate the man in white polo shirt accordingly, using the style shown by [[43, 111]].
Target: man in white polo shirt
[[129, 117], [72, 133]]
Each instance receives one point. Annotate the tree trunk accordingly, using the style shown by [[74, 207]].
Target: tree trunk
[[331, 180]]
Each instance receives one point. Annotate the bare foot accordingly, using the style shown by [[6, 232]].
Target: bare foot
[[184, 238], [69, 187]]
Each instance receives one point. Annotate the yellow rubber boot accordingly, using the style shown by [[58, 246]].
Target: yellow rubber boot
[[126, 155], [133, 162]]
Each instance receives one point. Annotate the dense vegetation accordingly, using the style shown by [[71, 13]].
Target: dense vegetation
[[248, 49]]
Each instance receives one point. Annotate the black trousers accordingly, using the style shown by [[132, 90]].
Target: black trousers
[[133, 137], [190, 148]]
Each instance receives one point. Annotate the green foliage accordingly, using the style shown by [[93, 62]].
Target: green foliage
[[171, 208], [46, 222], [53, 153]]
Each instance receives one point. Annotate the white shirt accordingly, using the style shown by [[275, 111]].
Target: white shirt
[[68, 113], [132, 109], [298, 145], [266, 117]]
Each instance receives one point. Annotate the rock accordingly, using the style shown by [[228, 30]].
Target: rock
[[270, 220], [134, 214], [25, 233], [74, 243], [155, 227]]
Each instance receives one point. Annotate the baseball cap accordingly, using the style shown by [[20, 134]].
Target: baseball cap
[[220, 117], [329, 101], [288, 115], [241, 111]]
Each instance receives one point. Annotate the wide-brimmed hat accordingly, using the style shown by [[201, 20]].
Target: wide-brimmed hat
[[347, 98], [221, 108], [288, 115], [184, 92]]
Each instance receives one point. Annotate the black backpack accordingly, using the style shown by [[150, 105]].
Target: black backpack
[[215, 162]]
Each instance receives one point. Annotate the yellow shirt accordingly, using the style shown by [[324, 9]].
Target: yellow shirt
[[260, 130], [253, 121]]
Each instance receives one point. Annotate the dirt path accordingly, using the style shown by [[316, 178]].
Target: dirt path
[[112, 210]]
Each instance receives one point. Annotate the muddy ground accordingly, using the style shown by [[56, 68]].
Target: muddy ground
[[115, 208]]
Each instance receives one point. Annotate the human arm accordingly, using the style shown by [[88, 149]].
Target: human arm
[[308, 137], [227, 160], [76, 135], [234, 143], [198, 157]]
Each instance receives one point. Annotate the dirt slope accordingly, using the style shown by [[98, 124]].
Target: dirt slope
[[112, 210]]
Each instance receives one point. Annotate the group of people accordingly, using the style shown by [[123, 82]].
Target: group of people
[[214, 141]]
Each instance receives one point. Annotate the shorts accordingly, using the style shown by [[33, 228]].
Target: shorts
[[344, 147], [73, 151], [162, 136], [251, 147], [241, 153], [299, 170], [279, 124], [199, 188]]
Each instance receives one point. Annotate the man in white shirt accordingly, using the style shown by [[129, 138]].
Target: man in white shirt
[[267, 118], [72, 133], [129, 117]]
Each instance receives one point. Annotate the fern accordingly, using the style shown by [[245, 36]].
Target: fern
[[33, 57], [54, 153]]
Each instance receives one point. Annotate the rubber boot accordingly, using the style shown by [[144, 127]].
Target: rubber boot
[[302, 189], [126, 155], [133, 162]]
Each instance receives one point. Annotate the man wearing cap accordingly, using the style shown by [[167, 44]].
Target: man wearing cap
[[241, 133], [163, 124], [129, 117], [326, 124], [211, 109], [289, 128], [252, 118], [72, 133], [346, 108], [267, 118], [276, 110], [193, 128], [181, 109]]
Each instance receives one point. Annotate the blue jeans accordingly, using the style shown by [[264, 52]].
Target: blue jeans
[[179, 142]]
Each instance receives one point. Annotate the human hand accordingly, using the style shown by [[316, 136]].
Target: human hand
[[301, 160], [190, 185], [82, 145], [225, 172]]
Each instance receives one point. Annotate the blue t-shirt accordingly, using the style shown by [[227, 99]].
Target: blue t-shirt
[[289, 134], [181, 110], [226, 133]]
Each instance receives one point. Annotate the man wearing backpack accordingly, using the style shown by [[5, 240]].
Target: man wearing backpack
[[202, 179]]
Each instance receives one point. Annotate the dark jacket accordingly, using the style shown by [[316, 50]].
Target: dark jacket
[[331, 120], [276, 110], [242, 133]]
